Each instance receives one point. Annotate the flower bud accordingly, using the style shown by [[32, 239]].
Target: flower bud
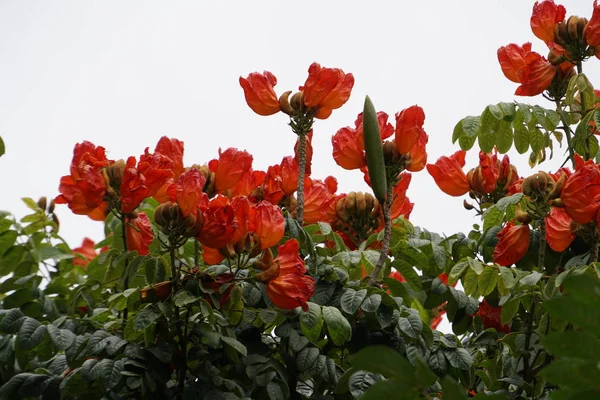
[[42, 202], [555, 193], [361, 204], [340, 210], [228, 251], [297, 101], [467, 205], [113, 175], [51, 207], [284, 103], [522, 216], [538, 185], [555, 57], [350, 203], [572, 23], [268, 274], [265, 261]]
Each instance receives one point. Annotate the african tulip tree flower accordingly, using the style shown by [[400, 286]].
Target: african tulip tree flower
[[138, 232], [173, 149], [326, 89], [291, 287], [418, 154], [85, 253], [133, 187], [513, 243], [219, 223], [491, 317], [317, 197], [530, 69], [409, 128], [448, 174], [558, 230], [592, 29], [581, 192], [544, 18], [267, 221], [189, 195], [401, 206], [231, 166], [158, 171], [84, 189], [259, 92]]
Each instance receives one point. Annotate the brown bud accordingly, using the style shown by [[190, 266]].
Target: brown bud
[[561, 34], [361, 204], [114, 173], [555, 58], [297, 101], [375, 210], [555, 193], [557, 203], [51, 207], [572, 27], [390, 153], [467, 205], [369, 201], [340, 210], [265, 261], [269, 274], [581, 24], [56, 221], [284, 103], [42, 202], [350, 203], [193, 229], [522, 216], [227, 251], [538, 184]]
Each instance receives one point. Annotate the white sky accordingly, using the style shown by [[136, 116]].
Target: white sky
[[123, 74]]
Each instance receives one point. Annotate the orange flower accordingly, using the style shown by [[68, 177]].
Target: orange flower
[[558, 230], [347, 150], [250, 181], [490, 317], [133, 187], [189, 191], [592, 29], [231, 166], [271, 189], [326, 89], [211, 256], [84, 189], [544, 18], [513, 243], [139, 235], [521, 65], [418, 154], [448, 174], [173, 149], [291, 288], [85, 253], [317, 197], [157, 169], [512, 59], [489, 167], [259, 93], [409, 128], [267, 221], [581, 193], [219, 223], [289, 175]]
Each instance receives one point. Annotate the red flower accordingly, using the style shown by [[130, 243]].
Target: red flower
[[250, 181], [489, 166], [490, 317], [259, 92], [448, 174], [418, 155], [581, 193], [173, 149], [544, 18], [85, 253], [267, 221], [84, 189], [231, 166], [189, 191], [521, 65], [512, 59], [513, 243], [211, 256], [219, 223], [347, 150], [289, 175], [157, 169], [397, 276], [592, 29], [139, 235], [401, 206], [326, 89], [317, 197], [291, 288], [133, 187], [409, 128], [558, 230]]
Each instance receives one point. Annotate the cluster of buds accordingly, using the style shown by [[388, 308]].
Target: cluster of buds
[[113, 177], [491, 182], [294, 105], [209, 186], [570, 35], [169, 217], [358, 216], [394, 160], [49, 209], [249, 244], [542, 186]]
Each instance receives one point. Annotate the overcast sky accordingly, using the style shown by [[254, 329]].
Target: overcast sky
[[123, 74]]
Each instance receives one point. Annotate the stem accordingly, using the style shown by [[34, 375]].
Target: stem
[[182, 367], [126, 280], [301, 170], [594, 253], [528, 374], [568, 132], [542, 251], [387, 234]]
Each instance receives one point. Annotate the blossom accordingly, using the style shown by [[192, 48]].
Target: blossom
[[326, 89], [448, 174], [219, 223], [592, 29], [138, 232], [133, 187], [401, 206], [267, 221], [84, 189], [292, 287], [544, 18], [581, 193], [259, 92], [558, 230], [173, 149], [229, 169], [347, 150], [85, 253], [317, 197], [418, 154], [189, 191], [409, 128], [289, 175], [491, 317], [513, 243], [158, 171], [512, 59], [521, 65]]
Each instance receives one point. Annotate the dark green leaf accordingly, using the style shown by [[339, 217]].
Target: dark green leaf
[[411, 325], [338, 327], [311, 322], [372, 303], [352, 299], [384, 361], [144, 318]]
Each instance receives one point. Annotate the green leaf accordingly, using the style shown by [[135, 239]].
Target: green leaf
[[372, 303], [307, 358], [581, 374], [412, 325], [183, 298], [2, 147], [408, 273], [507, 277], [311, 322], [31, 333], [352, 299], [459, 358], [389, 390], [509, 310], [385, 361], [338, 327], [144, 318], [573, 344], [493, 216], [7, 239], [532, 279], [537, 140], [521, 138], [487, 280], [452, 390], [235, 344], [469, 128], [61, 338], [457, 271], [504, 137]]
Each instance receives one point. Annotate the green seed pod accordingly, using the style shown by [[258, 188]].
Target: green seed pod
[[374, 151]]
